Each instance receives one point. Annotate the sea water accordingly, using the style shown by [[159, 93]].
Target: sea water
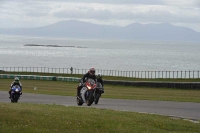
[[125, 55]]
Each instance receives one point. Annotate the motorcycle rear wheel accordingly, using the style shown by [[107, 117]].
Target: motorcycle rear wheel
[[97, 98]]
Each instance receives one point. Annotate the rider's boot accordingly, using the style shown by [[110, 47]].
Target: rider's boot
[[78, 91], [103, 90], [20, 93]]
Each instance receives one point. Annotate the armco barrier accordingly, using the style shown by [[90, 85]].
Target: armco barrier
[[181, 85], [36, 77], [70, 79]]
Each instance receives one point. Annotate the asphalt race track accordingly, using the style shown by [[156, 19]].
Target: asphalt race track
[[185, 110]]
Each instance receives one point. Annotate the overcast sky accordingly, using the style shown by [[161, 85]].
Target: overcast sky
[[35, 13]]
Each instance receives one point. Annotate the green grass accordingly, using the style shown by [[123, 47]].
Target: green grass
[[42, 118], [111, 91], [106, 77]]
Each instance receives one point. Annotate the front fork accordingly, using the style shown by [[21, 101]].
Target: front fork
[[89, 92]]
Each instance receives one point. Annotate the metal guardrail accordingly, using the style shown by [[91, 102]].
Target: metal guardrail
[[156, 84], [31, 77], [38, 77], [132, 74]]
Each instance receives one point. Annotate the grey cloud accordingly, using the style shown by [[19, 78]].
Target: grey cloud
[[198, 3], [3, 1], [28, 8], [142, 2], [151, 14], [37, 14], [138, 13], [102, 10], [34, 12], [89, 13], [146, 2], [2, 4]]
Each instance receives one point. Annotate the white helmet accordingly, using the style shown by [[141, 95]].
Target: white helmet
[[92, 71], [16, 79], [99, 76]]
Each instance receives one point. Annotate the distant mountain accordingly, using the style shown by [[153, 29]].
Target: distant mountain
[[137, 31]]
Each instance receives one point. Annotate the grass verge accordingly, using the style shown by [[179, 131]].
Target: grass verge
[[111, 91], [35, 118]]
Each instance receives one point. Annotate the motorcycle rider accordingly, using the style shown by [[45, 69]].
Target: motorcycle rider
[[15, 82], [90, 74], [100, 80]]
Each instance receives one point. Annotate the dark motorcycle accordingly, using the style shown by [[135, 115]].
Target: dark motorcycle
[[15, 93], [98, 92], [87, 93]]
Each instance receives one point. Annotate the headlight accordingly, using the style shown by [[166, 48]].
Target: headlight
[[89, 87], [16, 90]]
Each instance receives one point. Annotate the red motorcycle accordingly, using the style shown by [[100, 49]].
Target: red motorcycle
[[87, 93]]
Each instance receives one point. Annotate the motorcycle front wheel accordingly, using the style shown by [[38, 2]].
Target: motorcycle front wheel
[[90, 99], [14, 98]]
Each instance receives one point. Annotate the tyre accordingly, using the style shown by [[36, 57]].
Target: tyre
[[90, 99], [16, 97], [97, 98]]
